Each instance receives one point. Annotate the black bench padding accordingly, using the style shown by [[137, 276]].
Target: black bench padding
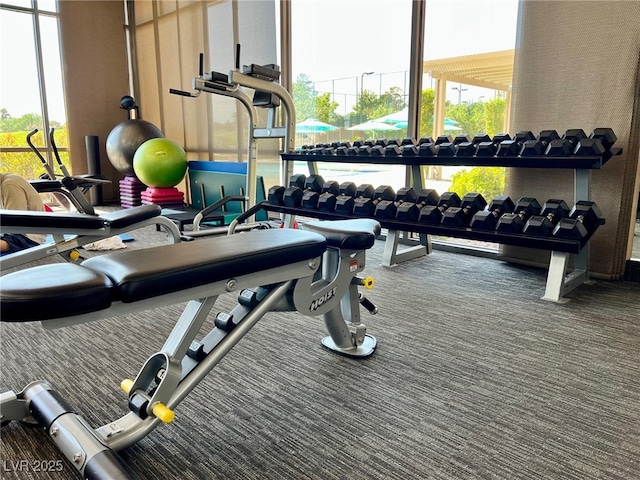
[[130, 216], [147, 273], [53, 291], [61, 290], [53, 220], [117, 219], [357, 234]]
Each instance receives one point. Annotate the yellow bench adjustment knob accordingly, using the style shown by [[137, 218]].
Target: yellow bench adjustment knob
[[368, 283], [163, 413], [74, 255], [126, 385]]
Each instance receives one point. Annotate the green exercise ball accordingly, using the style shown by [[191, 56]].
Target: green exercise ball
[[160, 162]]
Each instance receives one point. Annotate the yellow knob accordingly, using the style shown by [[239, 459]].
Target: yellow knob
[[74, 255], [368, 283], [126, 385], [163, 413]]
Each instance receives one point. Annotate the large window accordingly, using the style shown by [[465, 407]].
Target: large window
[[350, 65], [351, 78], [31, 92], [467, 87], [467, 84], [352, 81]]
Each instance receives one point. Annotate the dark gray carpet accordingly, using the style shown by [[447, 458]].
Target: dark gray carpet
[[474, 377]]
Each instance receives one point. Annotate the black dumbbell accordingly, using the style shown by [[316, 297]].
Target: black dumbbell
[[480, 137], [565, 146], [599, 142], [444, 142], [366, 206], [560, 147], [532, 148], [409, 146], [275, 195], [471, 147], [461, 216], [500, 137], [539, 146], [466, 149], [467, 146], [433, 214], [462, 138], [447, 149], [574, 135], [294, 194], [547, 136], [393, 150], [583, 219], [365, 150], [486, 149], [409, 150], [441, 139], [331, 191], [378, 150], [410, 211], [324, 200], [606, 136], [552, 212], [323, 149], [297, 180], [386, 209], [353, 149], [487, 219], [430, 149], [514, 222], [343, 148], [512, 147], [345, 201]]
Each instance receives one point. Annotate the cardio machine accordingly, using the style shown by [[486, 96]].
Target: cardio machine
[[73, 188], [313, 271]]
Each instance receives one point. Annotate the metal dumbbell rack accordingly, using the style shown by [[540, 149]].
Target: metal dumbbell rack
[[559, 280]]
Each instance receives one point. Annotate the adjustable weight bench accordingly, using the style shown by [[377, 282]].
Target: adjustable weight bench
[[312, 271], [73, 230]]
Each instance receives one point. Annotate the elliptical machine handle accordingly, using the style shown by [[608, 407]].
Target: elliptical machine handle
[[45, 164]]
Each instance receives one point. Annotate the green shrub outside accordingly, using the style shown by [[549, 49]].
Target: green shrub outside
[[487, 181]]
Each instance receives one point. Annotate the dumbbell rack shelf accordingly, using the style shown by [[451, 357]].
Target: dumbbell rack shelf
[[559, 280], [589, 162], [519, 240]]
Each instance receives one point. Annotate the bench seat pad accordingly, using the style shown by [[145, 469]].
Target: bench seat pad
[[141, 274], [53, 220], [356, 234], [54, 291], [130, 216]]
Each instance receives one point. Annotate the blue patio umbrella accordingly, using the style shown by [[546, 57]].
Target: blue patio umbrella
[[399, 120], [311, 125], [395, 118], [374, 126]]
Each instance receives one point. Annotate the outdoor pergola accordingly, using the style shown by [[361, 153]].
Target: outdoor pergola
[[489, 70]]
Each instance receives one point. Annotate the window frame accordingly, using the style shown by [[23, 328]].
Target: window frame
[[36, 13]]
